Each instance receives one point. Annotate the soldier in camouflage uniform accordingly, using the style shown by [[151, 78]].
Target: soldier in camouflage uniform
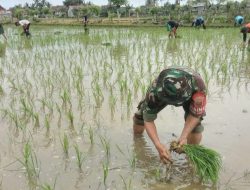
[[179, 87]]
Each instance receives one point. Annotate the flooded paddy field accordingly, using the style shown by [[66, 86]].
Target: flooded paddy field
[[67, 97]]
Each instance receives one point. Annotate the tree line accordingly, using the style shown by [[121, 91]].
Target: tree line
[[221, 11]]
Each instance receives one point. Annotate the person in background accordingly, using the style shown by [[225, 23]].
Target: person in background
[[199, 21], [172, 28], [26, 26], [238, 20], [2, 31], [85, 20], [177, 86], [244, 30]]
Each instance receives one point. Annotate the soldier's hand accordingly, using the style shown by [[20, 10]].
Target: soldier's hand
[[164, 154], [182, 141]]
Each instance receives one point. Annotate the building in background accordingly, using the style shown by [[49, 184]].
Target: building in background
[[5, 15]]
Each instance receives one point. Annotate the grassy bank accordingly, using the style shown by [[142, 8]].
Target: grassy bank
[[130, 21]]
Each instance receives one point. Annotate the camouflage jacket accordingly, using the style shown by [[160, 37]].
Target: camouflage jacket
[[187, 93]]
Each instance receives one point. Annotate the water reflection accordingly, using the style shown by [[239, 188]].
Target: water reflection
[[2, 49], [245, 64], [146, 157], [172, 46], [157, 176], [86, 30], [26, 44]]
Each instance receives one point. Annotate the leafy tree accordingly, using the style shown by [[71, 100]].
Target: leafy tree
[[151, 3], [138, 11], [154, 11], [18, 12], [45, 10], [73, 2], [39, 4], [76, 13], [118, 4], [95, 10], [84, 10]]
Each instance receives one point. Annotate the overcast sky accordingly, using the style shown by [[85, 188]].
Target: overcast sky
[[10, 3]]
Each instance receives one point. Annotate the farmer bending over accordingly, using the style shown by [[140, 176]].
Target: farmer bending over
[[238, 20], [244, 30], [26, 26], [199, 21], [2, 31], [85, 20], [172, 27], [179, 87]]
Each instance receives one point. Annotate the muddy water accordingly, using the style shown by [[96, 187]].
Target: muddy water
[[45, 75]]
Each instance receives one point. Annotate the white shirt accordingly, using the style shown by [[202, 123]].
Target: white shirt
[[24, 22]]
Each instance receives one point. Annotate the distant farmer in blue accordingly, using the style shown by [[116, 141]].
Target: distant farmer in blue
[[199, 21], [177, 86], [239, 20]]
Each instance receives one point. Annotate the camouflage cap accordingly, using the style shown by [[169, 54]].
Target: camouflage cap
[[177, 86]]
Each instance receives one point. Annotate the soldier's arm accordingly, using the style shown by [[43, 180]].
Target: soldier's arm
[[152, 133], [190, 123], [196, 111]]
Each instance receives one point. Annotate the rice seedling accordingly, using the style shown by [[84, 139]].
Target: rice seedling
[[157, 173], [98, 96], [112, 103], [26, 108], [79, 156], [59, 111], [2, 49], [47, 123], [48, 186], [129, 99], [30, 163], [207, 162], [65, 144], [127, 184], [13, 118], [79, 88], [46, 104], [106, 146], [1, 91], [136, 85], [71, 118], [105, 167], [131, 157], [1, 183], [91, 135], [36, 119], [66, 98]]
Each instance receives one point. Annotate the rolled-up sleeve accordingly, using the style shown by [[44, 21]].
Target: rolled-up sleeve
[[198, 104]]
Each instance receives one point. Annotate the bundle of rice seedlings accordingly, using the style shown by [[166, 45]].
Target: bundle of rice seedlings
[[207, 162]]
